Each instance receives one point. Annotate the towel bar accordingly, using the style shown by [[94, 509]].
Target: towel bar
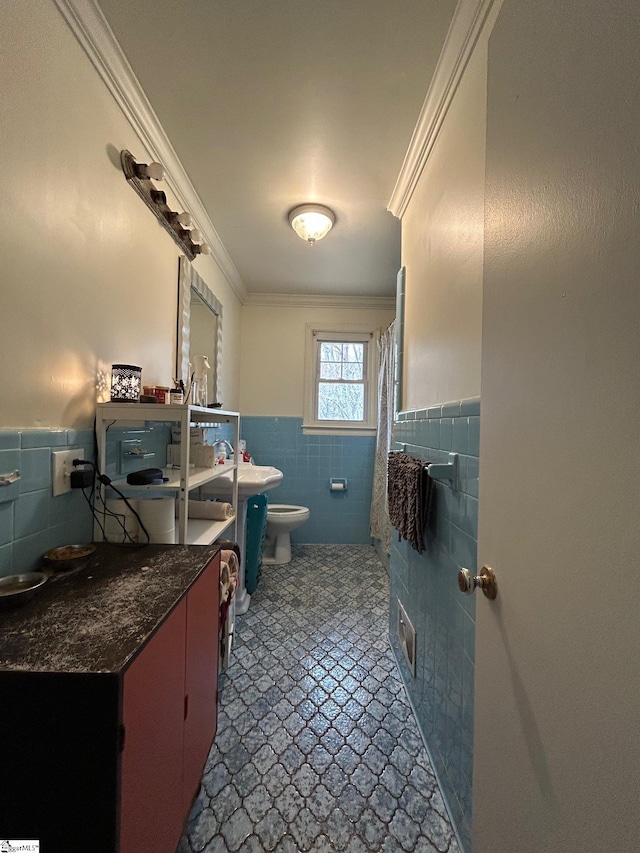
[[444, 470], [439, 470]]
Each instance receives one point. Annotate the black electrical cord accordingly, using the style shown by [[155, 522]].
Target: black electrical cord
[[95, 516], [119, 517], [92, 496], [106, 481]]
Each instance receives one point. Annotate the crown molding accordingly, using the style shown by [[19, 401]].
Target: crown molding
[[469, 21], [90, 27], [306, 300]]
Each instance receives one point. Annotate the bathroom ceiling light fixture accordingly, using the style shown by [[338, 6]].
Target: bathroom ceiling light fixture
[[311, 222]]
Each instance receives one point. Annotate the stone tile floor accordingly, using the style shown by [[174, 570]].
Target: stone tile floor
[[317, 748]]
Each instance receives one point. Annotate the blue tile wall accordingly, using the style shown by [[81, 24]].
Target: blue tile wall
[[154, 437], [31, 520], [308, 462], [442, 691]]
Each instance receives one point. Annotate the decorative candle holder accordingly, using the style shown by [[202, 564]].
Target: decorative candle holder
[[126, 380]]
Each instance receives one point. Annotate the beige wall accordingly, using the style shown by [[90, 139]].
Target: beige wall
[[272, 359], [88, 276], [442, 236]]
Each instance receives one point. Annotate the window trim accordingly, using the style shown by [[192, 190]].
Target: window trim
[[314, 334]]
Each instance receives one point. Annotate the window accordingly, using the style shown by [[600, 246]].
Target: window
[[340, 380]]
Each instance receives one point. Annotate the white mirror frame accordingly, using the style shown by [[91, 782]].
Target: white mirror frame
[[189, 279]]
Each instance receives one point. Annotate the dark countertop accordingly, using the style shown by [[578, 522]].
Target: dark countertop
[[95, 618]]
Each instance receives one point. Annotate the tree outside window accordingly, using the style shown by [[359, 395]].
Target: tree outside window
[[341, 385], [340, 380]]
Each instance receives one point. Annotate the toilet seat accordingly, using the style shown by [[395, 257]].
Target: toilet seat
[[286, 511]]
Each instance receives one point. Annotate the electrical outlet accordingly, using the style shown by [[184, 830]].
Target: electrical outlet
[[61, 468]]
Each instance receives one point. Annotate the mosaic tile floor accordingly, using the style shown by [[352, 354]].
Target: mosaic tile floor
[[317, 748]]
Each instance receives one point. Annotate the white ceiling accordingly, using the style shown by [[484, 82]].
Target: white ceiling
[[274, 103]]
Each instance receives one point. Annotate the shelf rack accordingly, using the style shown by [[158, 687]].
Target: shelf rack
[[183, 480]]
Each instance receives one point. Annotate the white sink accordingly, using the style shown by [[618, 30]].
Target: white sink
[[252, 480]]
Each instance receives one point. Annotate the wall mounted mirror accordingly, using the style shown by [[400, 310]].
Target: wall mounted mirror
[[199, 328]]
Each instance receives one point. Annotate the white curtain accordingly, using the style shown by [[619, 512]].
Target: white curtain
[[380, 524]]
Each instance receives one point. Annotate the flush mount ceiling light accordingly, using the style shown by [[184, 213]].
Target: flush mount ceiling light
[[311, 222]]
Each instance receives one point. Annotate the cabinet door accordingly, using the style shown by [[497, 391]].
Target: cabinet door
[[201, 676], [151, 801]]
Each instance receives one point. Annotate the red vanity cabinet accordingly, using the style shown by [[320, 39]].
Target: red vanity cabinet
[[151, 803], [169, 717], [110, 761], [201, 690]]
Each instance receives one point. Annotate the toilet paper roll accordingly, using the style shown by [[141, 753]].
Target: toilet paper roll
[[158, 517], [113, 527]]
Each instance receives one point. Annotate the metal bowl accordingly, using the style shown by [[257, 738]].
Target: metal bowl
[[18, 589], [66, 557]]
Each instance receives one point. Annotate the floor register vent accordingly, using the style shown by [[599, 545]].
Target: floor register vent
[[407, 638]]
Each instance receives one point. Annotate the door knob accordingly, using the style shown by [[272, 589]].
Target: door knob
[[486, 580]]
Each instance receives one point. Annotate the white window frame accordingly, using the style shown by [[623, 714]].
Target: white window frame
[[349, 333]]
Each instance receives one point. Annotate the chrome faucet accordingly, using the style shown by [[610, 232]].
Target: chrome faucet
[[225, 443]]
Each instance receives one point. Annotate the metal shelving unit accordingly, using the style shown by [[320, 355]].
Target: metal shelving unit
[[181, 481]]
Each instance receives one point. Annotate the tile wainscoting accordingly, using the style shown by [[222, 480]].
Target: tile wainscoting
[[441, 692], [31, 520], [308, 462]]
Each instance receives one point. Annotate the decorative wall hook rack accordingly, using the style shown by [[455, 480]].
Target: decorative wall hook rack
[[139, 176]]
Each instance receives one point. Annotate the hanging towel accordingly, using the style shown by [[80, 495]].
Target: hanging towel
[[228, 545], [229, 575], [225, 582], [409, 493], [233, 564]]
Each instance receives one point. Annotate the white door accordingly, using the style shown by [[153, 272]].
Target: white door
[[557, 734]]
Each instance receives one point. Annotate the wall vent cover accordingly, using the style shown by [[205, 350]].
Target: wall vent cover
[[407, 638]]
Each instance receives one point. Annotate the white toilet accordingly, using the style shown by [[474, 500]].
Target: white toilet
[[281, 520]]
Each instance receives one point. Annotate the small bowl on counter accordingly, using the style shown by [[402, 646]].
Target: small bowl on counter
[[64, 558], [16, 590]]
